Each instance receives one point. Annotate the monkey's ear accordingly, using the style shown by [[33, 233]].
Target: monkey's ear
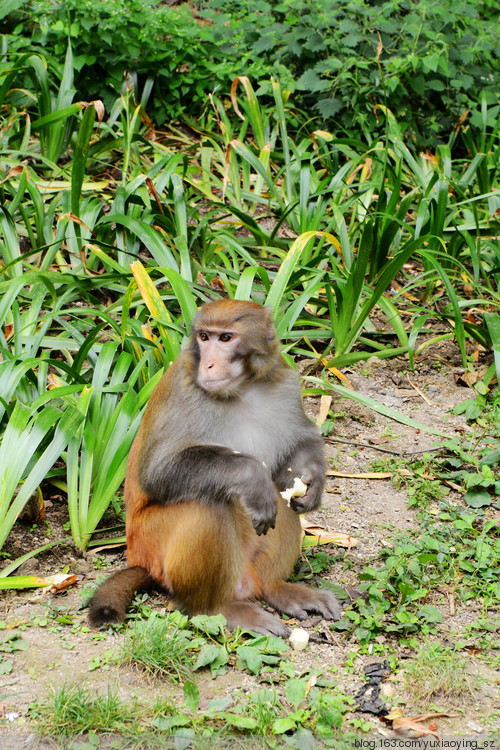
[[270, 329]]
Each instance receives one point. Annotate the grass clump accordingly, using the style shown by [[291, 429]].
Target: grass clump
[[159, 648], [437, 673], [74, 710]]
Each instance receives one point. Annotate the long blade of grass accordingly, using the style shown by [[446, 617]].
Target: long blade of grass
[[253, 108], [457, 314], [183, 294], [15, 564], [246, 281], [370, 403], [9, 249], [388, 273], [289, 264], [155, 305], [145, 234], [80, 156], [260, 169], [24, 582], [23, 435], [492, 321]]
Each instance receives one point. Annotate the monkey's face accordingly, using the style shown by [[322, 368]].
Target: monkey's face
[[221, 362], [234, 343]]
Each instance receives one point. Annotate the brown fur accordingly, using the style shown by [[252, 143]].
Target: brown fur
[[111, 600]]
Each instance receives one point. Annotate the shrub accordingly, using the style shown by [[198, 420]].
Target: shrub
[[428, 62], [434, 62], [145, 39]]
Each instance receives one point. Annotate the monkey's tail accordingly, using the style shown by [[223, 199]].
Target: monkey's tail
[[110, 601]]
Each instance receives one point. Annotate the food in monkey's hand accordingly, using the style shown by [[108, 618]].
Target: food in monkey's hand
[[298, 489]]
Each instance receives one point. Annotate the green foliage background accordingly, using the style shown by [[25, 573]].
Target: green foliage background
[[434, 62], [320, 204]]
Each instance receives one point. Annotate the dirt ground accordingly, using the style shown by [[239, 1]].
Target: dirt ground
[[372, 511]]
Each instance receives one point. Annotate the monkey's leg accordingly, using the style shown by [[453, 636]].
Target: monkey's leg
[[190, 548], [274, 562], [204, 554], [297, 600]]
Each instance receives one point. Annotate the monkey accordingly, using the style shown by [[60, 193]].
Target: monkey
[[224, 432]]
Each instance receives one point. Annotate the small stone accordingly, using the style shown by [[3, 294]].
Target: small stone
[[386, 690], [475, 727]]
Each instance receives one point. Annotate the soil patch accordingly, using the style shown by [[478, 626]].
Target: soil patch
[[47, 643]]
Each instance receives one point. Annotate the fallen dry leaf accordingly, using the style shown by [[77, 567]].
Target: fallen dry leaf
[[217, 284], [389, 475], [340, 375], [324, 408], [435, 715], [394, 713], [14, 172], [60, 582], [95, 550], [322, 536], [361, 475], [466, 380], [310, 683], [411, 728]]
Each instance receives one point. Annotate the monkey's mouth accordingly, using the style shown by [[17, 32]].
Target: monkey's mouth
[[214, 385]]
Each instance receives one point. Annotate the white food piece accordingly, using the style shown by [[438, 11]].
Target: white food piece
[[299, 489], [299, 638]]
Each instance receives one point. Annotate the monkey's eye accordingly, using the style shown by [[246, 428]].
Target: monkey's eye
[[225, 337], [203, 336]]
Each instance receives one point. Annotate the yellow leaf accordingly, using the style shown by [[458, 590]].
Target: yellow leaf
[[317, 535]]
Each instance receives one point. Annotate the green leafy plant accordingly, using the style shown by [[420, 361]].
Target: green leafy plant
[[428, 64], [97, 452], [32, 442], [150, 41]]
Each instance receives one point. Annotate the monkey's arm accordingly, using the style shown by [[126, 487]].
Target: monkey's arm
[[308, 463], [210, 474]]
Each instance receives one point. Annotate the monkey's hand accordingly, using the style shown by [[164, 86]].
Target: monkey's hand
[[306, 463], [258, 494], [314, 478]]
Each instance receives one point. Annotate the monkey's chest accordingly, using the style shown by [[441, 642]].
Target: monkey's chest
[[260, 429], [264, 441]]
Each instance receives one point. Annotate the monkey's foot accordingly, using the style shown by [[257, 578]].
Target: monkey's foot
[[297, 601], [250, 616]]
